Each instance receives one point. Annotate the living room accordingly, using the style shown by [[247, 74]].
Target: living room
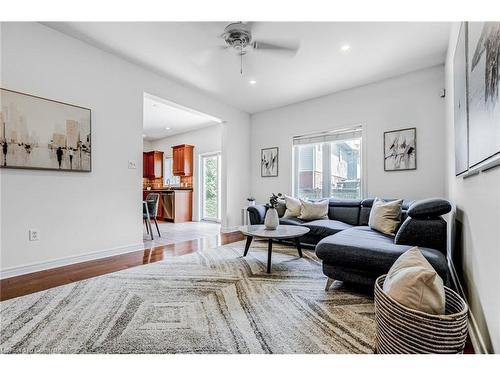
[[329, 116]]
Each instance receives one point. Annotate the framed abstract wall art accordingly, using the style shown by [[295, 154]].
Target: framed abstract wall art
[[460, 102], [39, 133], [400, 150], [484, 90], [269, 162]]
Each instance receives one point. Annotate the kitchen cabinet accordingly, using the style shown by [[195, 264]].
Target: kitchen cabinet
[[152, 164], [177, 206], [183, 160]]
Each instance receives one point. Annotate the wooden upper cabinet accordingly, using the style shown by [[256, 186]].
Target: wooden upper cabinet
[[152, 164], [183, 160]]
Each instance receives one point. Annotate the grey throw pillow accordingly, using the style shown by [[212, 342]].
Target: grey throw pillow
[[385, 217]]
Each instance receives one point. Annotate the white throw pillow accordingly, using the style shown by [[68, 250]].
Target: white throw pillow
[[414, 283], [385, 216], [292, 207], [313, 210]]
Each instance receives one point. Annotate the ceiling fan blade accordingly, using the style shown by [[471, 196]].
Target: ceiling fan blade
[[287, 48]]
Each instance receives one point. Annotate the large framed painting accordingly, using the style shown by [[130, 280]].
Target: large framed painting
[[460, 102], [269, 162], [400, 150], [39, 133], [484, 96]]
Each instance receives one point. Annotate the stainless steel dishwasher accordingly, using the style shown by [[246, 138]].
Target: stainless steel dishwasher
[[168, 201]]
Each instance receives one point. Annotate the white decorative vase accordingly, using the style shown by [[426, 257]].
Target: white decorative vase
[[271, 220]]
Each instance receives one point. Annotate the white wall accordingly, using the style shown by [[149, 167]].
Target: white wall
[[1, 85], [411, 100], [478, 210], [80, 213], [204, 140], [146, 145], [236, 164]]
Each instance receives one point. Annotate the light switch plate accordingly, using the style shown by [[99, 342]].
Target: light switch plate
[[132, 164]]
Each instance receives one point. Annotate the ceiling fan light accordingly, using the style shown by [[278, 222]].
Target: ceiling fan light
[[252, 82]]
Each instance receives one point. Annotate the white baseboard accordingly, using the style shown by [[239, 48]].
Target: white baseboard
[[60, 262], [475, 335]]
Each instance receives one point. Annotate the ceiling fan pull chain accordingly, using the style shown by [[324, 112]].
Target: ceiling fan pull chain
[[241, 62]]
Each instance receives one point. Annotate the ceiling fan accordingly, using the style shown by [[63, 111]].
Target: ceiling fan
[[238, 37]]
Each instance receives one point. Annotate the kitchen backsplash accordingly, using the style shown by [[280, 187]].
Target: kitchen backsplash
[[157, 183]]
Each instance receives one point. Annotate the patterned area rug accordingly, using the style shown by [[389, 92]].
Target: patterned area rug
[[212, 301]]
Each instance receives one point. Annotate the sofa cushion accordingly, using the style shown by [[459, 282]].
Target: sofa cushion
[[346, 210], [313, 210], [292, 206], [365, 249], [429, 208], [366, 207], [413, 282], [326, 227], [412, 230], [385, 216], [291, 221], [281, 207]]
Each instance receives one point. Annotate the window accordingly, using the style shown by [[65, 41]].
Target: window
[[168, 173], [210, 187], [328, 165]]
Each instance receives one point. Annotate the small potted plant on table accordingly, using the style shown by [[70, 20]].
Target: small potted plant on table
[[271, 221]]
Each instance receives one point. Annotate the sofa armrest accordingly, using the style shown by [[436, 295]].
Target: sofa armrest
[[429, 208], [423, 232], [257, 214]]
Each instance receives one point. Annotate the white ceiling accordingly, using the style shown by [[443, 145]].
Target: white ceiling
[[189, 53], [164, 119]]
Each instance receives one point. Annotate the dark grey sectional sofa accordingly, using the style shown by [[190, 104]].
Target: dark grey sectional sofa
[[352, 251]]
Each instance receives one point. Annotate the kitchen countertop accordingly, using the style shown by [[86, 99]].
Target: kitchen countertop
[[169, 189]]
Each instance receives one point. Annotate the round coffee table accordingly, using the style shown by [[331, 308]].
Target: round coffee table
[[281, 233]]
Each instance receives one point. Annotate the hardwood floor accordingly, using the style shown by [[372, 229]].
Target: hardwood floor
[[38, 281]]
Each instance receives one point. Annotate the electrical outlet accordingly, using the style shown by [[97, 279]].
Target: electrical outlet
[[34, 235], [131, 164]]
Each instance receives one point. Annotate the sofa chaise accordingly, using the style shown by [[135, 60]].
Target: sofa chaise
[[353, 252]]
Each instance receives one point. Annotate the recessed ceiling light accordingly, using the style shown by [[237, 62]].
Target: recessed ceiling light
[[345, 48], [167, 128], [252, 82]]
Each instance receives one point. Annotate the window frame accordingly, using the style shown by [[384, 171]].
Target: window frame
[[202, 217], [326, 162]]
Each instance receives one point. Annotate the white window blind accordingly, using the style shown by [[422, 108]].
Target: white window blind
[[330, 136]]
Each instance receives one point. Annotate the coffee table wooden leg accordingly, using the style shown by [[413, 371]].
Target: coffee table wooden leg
[[299, 248], [247, 246], [269, 252]]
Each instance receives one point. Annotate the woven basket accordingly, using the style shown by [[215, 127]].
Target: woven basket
[[401, 330]]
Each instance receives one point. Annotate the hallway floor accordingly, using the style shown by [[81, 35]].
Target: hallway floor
[[180, 232]]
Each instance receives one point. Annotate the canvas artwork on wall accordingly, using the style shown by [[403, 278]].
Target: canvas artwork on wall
[[460, 102], [38, 133], [400, 150], [484, 96], [269, 162]]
